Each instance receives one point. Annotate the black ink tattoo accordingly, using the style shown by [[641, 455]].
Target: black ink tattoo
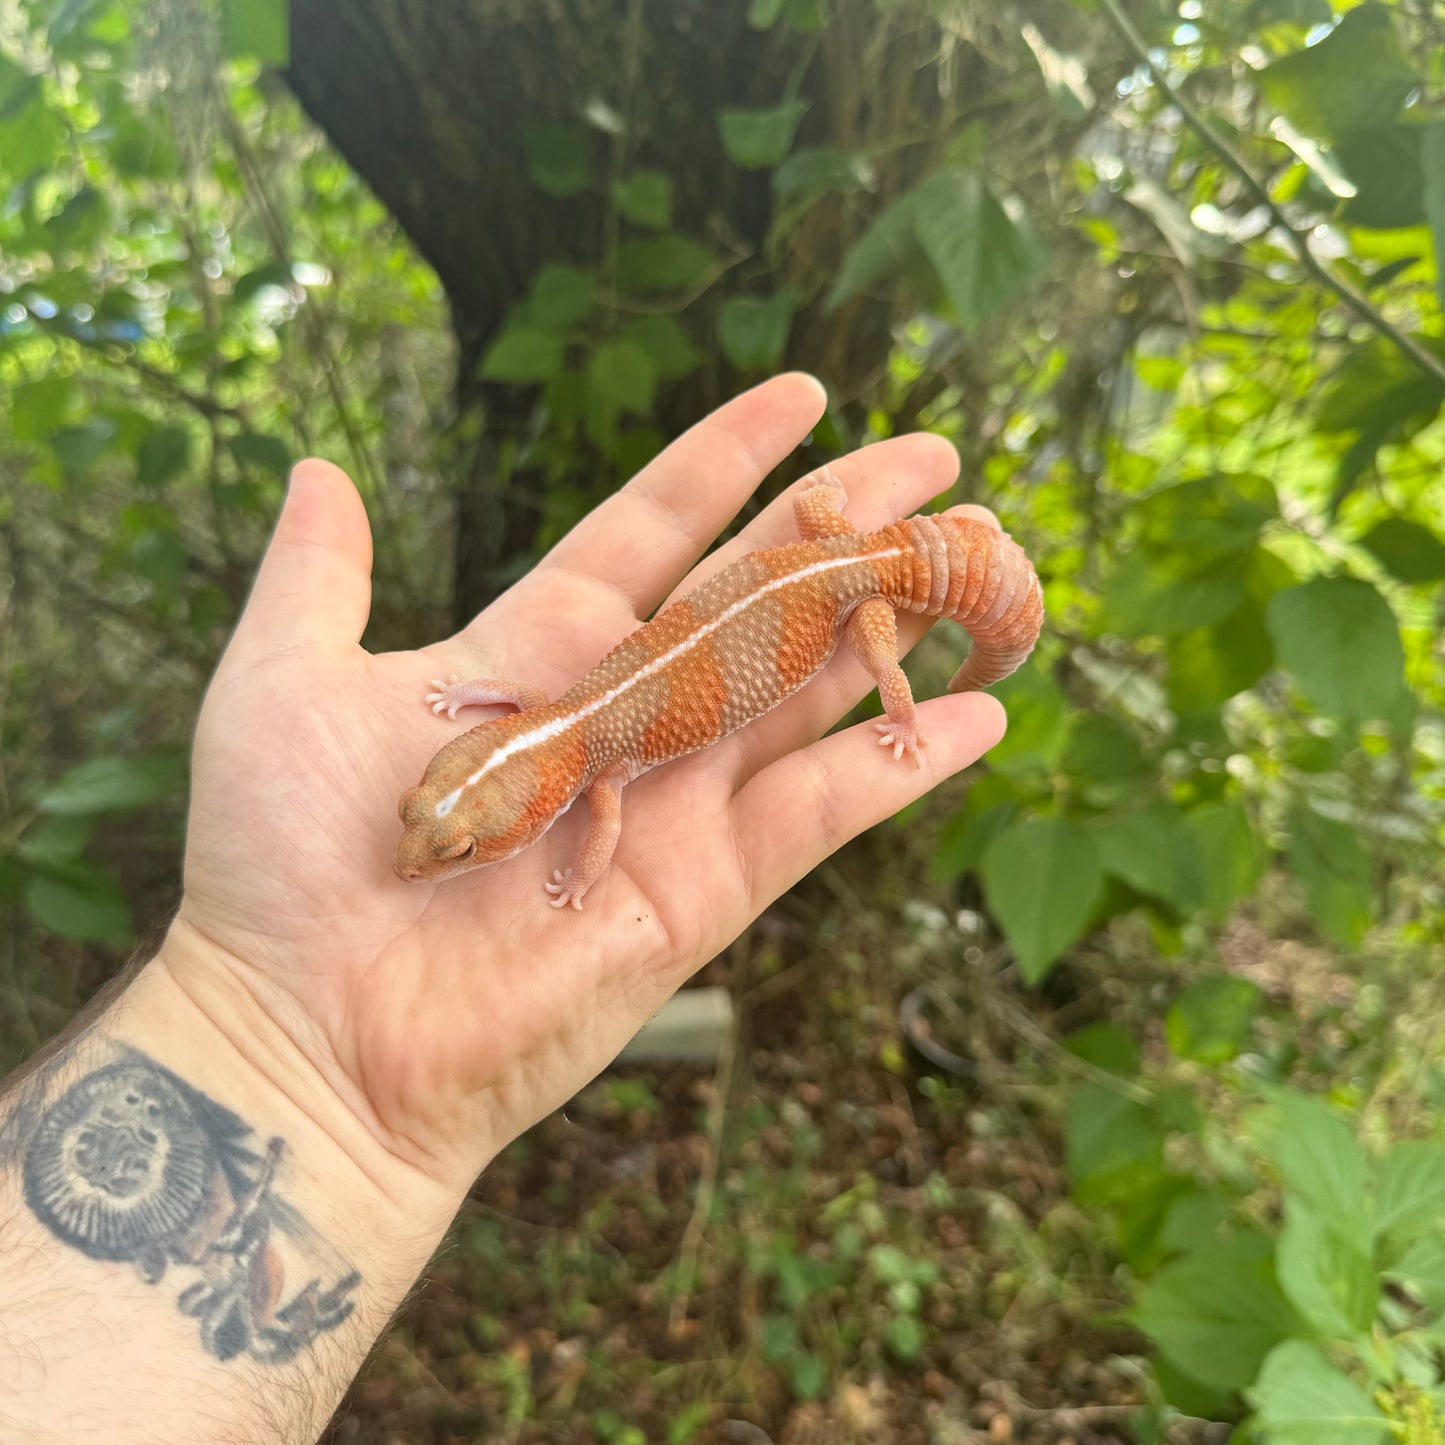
[[131, 1164]]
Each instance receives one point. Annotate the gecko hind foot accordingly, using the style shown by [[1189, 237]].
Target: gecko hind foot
[[903, 738]]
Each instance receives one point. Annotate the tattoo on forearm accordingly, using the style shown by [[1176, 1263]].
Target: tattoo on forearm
[[131, 1164]]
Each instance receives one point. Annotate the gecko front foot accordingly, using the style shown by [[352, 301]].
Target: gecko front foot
[[564, 891], [447, 698], [903, 738]]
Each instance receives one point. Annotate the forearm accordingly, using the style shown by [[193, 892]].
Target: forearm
[[196, 1243]]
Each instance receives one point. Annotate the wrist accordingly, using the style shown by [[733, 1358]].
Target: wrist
[[185, 1215], [200, 1012]]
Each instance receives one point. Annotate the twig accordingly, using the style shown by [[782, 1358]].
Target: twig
[[1298, 240], [691, 1245], [371, 473], [116, 352]]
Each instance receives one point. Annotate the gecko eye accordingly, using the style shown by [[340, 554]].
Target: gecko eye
[[460, 852]]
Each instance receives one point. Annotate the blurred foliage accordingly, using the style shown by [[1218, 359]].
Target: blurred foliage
[[1195, 361]]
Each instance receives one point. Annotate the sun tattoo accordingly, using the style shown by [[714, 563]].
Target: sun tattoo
[[130, 1164]]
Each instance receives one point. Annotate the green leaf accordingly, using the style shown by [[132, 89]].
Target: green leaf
[[887, 246], [1106, 1046], [757, 139], [163, 455], [1211, 1021], [1038, 721], [77, 448], [683, 1428], [273, 273], [665, 340], [18, 88], [39, 408], [31, 133], [1217, 1311], [561, 297], [623, 374], [1386, 168], [83, 902], [257, 27], [1150, 594], [1319, 158], [558, 159], [1332, 865], [1319, 1160], [1356, 77], [656, 264], [1065, 76], [1301, 1399], [110, 785], [1194, 1219], [262, 451], [1104, 759], [1339, 638], [1043, 878], [1210, 665], [1112, 1143], [1218, 516], [905, 1337], [808, 1376], [1152, 850], [990, 805], [778, 1337], [753, 330], [51, 842], [1410, 1188], [1422, 1271], [813, 173], [1379, 391], [523, 356], [1325, 1275], [805, 15], [1232, 857], [70, 17], [645, 198], [1432, 169], [984, 255], [80, 222], [1405, 549]]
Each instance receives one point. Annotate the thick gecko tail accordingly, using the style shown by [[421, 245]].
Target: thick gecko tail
[[991, 589]]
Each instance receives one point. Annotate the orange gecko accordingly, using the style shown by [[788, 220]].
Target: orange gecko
[[709, 664]]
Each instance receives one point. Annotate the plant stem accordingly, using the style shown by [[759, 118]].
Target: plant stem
[[1298, 240]]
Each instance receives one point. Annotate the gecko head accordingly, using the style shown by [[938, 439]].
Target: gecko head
[[480, 800]]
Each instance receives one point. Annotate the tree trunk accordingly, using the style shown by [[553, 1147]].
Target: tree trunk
[[432, 103]]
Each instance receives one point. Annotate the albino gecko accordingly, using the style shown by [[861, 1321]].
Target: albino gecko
[[703, 667]]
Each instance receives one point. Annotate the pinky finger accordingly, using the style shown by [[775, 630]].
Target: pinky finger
[[798, 810]]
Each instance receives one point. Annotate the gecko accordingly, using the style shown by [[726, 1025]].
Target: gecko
[[708, 664]]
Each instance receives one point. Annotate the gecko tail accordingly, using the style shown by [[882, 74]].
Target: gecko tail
[[993, 592]]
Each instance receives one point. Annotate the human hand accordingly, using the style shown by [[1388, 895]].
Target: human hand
[[444, 1018]]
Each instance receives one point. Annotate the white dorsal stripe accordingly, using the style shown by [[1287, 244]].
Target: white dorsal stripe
[[557, 726]]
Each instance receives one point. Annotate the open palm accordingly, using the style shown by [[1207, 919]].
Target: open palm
[[451, 1015]]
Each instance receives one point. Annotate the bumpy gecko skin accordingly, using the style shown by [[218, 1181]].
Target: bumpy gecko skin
[[719, 658]]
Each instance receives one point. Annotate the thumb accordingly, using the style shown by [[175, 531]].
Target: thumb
[[314, 585]]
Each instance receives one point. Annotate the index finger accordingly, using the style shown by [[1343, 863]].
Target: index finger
[[640, 541]]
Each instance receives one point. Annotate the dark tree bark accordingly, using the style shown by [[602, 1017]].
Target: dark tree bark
[[430, 103]]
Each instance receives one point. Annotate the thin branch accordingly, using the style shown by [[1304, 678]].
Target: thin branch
[[685, 1273], [371, 474], [1298, 240], [118, 353]]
